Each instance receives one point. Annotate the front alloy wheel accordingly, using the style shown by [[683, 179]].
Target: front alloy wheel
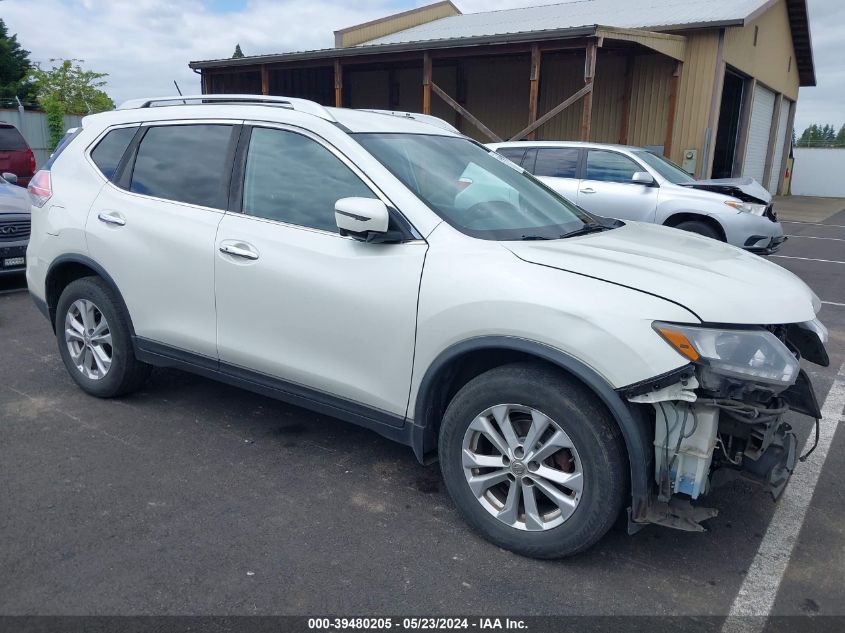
[[88, 339], [522, 467]]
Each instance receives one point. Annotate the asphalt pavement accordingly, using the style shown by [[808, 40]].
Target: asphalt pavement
[[192, 497]]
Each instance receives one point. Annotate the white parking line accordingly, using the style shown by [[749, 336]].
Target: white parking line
[[809, 259], [833, 226], [759, 590], [813, 237]]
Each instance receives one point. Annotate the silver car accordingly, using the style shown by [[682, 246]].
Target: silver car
[[631, 183], [14, 225]]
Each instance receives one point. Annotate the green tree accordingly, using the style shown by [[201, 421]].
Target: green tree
[[14, 69], [76, 89], [840, 137], [238, 52]]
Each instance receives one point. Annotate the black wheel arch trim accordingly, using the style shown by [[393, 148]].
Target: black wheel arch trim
[[630, 418], [84, 260]]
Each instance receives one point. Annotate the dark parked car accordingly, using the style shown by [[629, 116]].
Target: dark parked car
[[16, 156], [14, 226]]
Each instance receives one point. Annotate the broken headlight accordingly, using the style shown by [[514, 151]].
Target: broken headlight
[[753, 354]]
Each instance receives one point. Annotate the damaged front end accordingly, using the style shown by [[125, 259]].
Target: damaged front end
[[722, 416]]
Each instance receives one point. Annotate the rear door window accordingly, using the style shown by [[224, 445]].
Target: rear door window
[[185, 163], [610, 166], [557, 162], [11, 139], [110, 150]]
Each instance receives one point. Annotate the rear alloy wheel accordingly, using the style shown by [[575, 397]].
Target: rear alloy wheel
[[95, 339], [88, 339], [533, 460]]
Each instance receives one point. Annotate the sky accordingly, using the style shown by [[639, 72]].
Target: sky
[[144, 45]]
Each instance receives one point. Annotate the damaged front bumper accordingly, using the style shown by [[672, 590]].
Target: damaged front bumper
[[710, 426]]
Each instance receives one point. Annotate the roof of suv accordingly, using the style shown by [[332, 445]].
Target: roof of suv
[[261, 108], [630, 148]]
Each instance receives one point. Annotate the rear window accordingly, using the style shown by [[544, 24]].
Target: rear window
[[184, 163], [557, 162], [11, 139], [110, 150]]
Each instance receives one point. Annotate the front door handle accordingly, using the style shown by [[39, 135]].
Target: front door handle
[[588, 190], [239, 249], [111, 217]]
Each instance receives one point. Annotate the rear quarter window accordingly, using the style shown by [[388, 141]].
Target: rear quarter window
[[108, 152], [11, 139]]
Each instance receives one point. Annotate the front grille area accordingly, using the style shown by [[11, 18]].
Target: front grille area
[[14, 230]]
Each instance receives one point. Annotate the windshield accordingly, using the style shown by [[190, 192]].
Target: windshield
[[666, 168], [475, 190]]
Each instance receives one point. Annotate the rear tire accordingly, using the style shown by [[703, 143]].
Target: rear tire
[[95, 340], [700, 228], [578, 490]]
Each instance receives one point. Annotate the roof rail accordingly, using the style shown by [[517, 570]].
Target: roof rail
[[299, 105], [416, 116]]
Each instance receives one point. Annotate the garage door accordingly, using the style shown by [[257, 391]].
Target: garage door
[[762, 108], [777, 157]]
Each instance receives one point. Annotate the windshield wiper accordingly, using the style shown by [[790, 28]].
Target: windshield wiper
[[532, 238], [586, 229]]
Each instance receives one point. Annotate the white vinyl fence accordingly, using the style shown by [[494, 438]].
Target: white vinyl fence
[[33, 125], [818, 172]]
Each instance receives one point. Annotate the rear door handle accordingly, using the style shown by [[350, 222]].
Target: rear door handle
[[239, 249], [588, 190], [111, 217]]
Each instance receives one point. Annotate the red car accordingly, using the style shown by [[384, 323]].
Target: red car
[[15, 154]]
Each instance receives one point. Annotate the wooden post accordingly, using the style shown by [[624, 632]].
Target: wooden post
[[533, 88], [265, 80], [426, 83], [338, 84], [205, 82], [589, 74], [670, 117], [626, 99]]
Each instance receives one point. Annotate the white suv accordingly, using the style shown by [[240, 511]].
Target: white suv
[[386, 270], [632, 183]]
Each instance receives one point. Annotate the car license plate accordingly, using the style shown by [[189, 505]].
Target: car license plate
[[13, 261]]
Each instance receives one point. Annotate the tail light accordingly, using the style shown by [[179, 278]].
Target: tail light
[[40, 188], [32, 165]]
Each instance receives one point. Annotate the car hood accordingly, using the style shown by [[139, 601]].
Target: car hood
[[717, 282], [746, 189], [13, 199]]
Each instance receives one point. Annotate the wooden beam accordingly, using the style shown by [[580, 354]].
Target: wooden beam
[[265, 80], [464, 113], [787, 144], [338, 84], [553, 112], [589, 74], [630, 60], [534, 88], [427, 83], [773, 136], [205, 82], [670, 116]]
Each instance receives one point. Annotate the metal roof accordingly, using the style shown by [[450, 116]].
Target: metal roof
[[631, 14]]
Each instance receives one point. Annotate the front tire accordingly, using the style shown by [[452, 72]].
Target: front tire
[[533, 461], [700, 228], [95, 340]]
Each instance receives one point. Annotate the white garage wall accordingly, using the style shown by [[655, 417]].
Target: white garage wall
[[818, 172], [762, 108]]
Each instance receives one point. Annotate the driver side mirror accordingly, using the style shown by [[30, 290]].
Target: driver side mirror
[[365, 219], [9, 177], [642, 178]]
